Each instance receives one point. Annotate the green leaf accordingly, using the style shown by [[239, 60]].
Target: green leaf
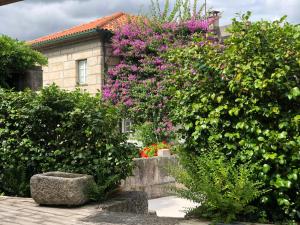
[[294, 93]]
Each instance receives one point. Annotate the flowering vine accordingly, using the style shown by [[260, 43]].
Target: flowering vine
[[138, 81]]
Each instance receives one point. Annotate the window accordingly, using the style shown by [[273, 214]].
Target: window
[[126, 126], [82, 71]]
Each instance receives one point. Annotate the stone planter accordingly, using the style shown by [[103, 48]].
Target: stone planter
[[151, 176], [164, 152], [58, 188]]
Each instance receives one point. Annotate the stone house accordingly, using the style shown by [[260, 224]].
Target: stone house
[[78, 57]]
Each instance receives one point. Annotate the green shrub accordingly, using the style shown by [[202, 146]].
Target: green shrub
[[244, 96], [58, 130], [223, 188], [145, 133], [16, 56]]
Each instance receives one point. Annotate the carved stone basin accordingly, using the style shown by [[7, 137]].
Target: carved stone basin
[[59, 188]]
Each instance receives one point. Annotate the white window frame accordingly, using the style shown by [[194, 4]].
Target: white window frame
[[81, 71], [126, 126]]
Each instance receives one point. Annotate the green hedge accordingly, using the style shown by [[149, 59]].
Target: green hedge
[[58, 130], [243, 99]]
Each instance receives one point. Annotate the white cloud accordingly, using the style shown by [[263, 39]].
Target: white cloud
[[33, 18], [261, 9]]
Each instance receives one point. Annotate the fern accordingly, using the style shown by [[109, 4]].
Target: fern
[[223, 188], [186, 10], [166, 10], [175, 10], [195, 8], [101, 191]]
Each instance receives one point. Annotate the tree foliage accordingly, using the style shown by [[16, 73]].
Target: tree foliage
[[16, 56], [244, 97]]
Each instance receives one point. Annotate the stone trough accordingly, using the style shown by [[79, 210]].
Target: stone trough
[[59, 188], [151, 175]]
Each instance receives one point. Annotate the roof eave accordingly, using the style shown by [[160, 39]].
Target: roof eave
[[68, 38]]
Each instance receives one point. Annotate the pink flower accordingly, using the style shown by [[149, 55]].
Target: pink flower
[[141, 72], [197, 25], [128, 102], [106, 93], [131, 77]]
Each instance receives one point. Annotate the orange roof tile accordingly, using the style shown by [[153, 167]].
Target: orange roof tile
[[110, 23]]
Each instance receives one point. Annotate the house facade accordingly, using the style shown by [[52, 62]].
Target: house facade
[[78, 57]]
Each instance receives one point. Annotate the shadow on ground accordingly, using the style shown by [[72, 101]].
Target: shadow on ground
[[113, 218]]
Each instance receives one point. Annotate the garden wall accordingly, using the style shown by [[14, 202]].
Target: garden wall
[[151, 176]]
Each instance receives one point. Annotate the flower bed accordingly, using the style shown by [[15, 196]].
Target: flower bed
[[152, 150]]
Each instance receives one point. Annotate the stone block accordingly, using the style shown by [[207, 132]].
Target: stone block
[[69, 65], [59, 188], [66, 50], [87, 45], [69, 82], [92, 61], [94, 69], [91, 79], [82, 55], [127, 202], [55, 67], [57, 59], [70, 73], [164, 153], [55, 75], [97, 52], [52, 53], [151, 176]]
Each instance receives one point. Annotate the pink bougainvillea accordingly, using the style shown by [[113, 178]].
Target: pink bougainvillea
[[138, 81]]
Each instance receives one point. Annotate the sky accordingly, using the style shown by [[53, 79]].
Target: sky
[[31, 19]]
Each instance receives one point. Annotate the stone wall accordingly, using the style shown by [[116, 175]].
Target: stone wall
[[151, 176], [62, 64]]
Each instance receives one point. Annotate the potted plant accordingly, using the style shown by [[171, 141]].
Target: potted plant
[[161, 149]]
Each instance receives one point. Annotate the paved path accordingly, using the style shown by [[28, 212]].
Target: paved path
[[171, 206], [24, 211]]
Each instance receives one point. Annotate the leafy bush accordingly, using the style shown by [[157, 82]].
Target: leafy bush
[[223, 188], [16, 56], [244, 96], [144, 133], [58, 130]]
